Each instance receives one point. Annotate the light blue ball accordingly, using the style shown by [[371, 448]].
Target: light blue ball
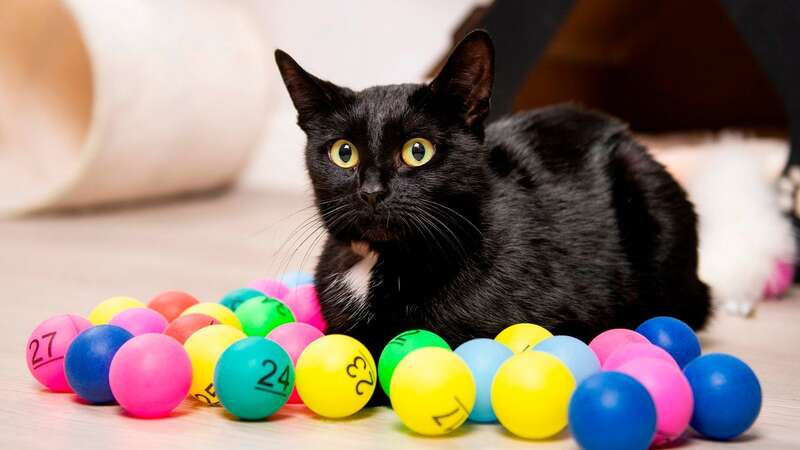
[[294, 279], [484, 357], [576, 355]]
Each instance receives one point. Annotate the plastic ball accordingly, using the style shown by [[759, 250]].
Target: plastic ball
[[606, 342], [397, 349], [140, 321], [222, 314], [260, 315], [184, 326], [270, 287], [294, 279], [612, 411], [670, 392], [233, 299], [254, 378], [88, 361], [672, 335], [579, 358], [172, 303], [335, 376], [150, 375], [107, 309], [484, 357], [727, 395], [634, 351], [47, 345], [530, 394], [204, 348], [304, 303], [522, 336], [294, 337]]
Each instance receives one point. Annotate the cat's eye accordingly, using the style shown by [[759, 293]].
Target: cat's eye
[[417, 152], [344, 154]]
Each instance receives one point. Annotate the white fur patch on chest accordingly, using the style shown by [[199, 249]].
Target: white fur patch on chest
[[357, 278]]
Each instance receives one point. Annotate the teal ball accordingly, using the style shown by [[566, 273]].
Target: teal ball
[[233, 299]]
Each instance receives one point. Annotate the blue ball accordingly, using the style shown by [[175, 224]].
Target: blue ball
[[88, 360], [672, 335], [233, 299], [612, 411], [580, 359], [484, 357], [727, 395], [294, 279]]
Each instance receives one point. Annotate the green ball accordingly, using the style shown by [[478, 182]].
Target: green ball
[[254, 378], [397, 349], [234, 299], [260, 315]]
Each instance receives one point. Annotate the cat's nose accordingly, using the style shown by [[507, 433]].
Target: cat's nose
[[372, 193]]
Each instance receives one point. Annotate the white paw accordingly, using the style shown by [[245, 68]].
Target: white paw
[[738, 308]]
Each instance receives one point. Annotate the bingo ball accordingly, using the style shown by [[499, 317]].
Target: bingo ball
[[47, 346], [633, 351], [397, 349], [88, 361], [522, 336], [294, 337], [204, 348], [184, 326], [530, 394], [304, 303], [140, 321], [335, 376], [233, 299], [222, 314], [606, 342], [270, 287], [612, 411], [107, 309], [172, 303], [150, 375], [254, 378], [433, 391], [670, 392], [579, 358], [294, 279], [260, 315], [483, 357], [727, 395], [672, 335]]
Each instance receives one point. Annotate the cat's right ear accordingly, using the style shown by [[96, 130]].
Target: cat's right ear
[[310, 95]]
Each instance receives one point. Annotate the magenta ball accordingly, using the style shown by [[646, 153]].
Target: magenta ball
[[634, 351], [47, 346], [671, 393], [606, 342], [271, 287], [294, 337], [304, 303], [140, 321], [150, 375]]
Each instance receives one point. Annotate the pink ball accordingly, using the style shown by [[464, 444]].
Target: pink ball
[[140, 321], [606, 342], [634, 351], [304, 303], [47, 346], [271, 287], [150, 375], [671, 394], [294, 337], [780, 280]]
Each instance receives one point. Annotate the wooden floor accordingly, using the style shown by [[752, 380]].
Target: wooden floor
[[56, 264]]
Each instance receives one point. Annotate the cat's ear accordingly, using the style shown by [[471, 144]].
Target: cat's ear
[[310, 95], [467, 76]]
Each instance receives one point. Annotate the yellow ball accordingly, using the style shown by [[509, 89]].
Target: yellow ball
[[107, 309], [335, 376], [432, 391], [522, 336], [530, 394], [215, 310], [205, 347]]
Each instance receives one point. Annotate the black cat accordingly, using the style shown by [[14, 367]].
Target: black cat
[[556, 216]]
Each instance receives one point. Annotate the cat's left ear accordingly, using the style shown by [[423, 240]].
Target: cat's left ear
[[467, 76]]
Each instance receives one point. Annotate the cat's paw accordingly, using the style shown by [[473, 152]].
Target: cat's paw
[[740, 308]]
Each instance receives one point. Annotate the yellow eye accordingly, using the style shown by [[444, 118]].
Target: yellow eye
[[417, 151], [344, 154]]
